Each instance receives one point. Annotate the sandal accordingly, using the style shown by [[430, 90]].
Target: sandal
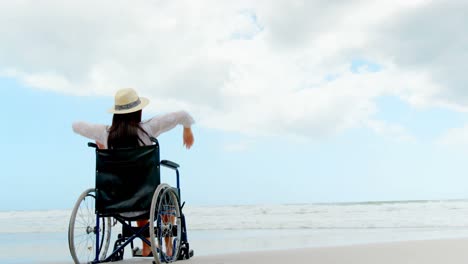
[[137, 252]]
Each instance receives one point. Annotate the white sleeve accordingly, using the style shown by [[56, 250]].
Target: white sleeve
[[163, 123], [92, 131]]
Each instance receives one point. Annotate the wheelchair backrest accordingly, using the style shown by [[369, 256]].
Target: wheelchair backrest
[[126, 179]]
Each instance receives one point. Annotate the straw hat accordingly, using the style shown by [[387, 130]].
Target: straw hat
[[128, 101]]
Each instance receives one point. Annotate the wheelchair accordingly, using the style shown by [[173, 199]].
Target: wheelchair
[[128, 188]]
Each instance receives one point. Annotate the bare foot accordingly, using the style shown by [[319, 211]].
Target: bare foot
[[146, 251]]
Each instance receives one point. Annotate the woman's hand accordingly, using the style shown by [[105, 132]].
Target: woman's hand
[[100, 145], [188, 137]]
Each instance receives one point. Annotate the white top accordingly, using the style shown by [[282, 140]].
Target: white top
[[154, 127]]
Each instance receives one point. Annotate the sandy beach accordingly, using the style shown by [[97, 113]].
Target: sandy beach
[[408, 252]]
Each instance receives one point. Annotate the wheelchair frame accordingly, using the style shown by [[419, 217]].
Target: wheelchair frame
[[129, 233]]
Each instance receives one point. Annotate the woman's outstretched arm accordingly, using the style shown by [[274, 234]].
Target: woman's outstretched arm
[[163, 123], [96, 132]]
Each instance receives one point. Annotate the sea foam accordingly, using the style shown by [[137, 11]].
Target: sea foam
[[370, 215]]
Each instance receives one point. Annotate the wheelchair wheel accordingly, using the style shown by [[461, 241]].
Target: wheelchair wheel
[[165, 219], [82, 230]]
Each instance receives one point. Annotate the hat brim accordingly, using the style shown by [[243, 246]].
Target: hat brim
[[143, 104]]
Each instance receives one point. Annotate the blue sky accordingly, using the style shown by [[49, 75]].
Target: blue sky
[[46, 165], [302, 102]]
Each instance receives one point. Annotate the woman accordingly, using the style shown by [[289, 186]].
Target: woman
[[127, 130]]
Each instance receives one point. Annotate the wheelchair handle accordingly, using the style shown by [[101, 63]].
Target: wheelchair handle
[[92, 145], [170, 164]]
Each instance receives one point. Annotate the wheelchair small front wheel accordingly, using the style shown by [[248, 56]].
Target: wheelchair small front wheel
[[165, 220], [82, 230]]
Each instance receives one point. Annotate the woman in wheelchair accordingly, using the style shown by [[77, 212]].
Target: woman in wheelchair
[[128, 130]]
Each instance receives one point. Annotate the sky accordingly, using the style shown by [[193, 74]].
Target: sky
[[294, 101]]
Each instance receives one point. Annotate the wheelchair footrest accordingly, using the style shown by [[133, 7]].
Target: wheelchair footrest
[[119, 254], [185, 251], [138, 254]]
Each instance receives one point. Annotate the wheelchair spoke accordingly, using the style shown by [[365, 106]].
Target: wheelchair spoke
[[83, 230], [168, 223]]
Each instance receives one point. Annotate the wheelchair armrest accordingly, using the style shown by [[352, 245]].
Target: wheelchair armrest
[[169, 164], [92, 145]]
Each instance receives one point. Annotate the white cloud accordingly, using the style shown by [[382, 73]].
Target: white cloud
[[457, 137], [393, 131], [258, 68]]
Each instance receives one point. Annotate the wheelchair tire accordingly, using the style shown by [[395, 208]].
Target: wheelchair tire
[[165, 219], [82, 230]]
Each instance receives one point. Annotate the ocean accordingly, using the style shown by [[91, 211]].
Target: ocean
[[41, 236]]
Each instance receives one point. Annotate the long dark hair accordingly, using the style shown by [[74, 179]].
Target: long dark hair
[[124, 132]]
